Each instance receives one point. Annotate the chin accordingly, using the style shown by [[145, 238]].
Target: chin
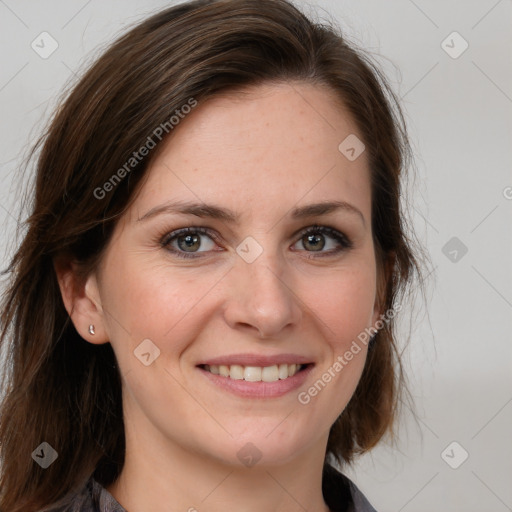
[[262, 446]]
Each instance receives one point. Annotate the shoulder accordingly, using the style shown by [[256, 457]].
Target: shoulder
[[341, 494], [78, 501], [93, 497]]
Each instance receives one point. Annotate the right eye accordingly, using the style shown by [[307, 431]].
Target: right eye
[[186, 242]]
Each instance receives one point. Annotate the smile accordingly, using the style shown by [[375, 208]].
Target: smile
[[257, 382], [255, 373]]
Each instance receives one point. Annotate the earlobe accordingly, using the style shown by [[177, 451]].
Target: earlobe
[[82, 301], [92, 292]]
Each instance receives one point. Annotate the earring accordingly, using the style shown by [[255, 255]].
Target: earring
[[371, 343], [91, 329]]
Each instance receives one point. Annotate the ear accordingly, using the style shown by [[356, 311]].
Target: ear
[[81, 299]]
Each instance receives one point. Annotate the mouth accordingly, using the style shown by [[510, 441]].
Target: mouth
[[250, 381], [272, 373]]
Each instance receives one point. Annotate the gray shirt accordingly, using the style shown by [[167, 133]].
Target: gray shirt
[[340, 494]]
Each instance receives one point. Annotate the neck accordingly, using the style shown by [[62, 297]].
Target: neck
[[157, 475]]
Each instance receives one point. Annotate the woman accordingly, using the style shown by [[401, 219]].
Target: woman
[[201, 312]]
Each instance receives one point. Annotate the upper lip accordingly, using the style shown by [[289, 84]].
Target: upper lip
[[256, 360]]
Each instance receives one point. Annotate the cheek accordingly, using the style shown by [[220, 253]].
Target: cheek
[[344, 304], [157, 304]]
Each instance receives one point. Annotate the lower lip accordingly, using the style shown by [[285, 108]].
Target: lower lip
[[259, 389]]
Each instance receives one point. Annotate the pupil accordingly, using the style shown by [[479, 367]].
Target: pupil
[[316, 241], [190, 240]]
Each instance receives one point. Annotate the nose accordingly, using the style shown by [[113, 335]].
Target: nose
[[260, 298]]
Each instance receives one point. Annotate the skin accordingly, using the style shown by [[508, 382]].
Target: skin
[[259, 154]]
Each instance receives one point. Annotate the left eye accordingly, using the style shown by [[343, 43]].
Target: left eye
[[187, 241], [315, 236]]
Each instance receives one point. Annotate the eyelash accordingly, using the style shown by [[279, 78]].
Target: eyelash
[[341, 238]]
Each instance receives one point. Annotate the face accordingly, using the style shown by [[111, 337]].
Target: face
[[196, 300]]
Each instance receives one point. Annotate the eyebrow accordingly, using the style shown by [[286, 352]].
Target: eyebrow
[[212, 211]]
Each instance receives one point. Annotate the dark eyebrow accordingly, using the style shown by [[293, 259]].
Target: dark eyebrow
[[217, 212]]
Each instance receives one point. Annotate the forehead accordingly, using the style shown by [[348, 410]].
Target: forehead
[[263, 147]]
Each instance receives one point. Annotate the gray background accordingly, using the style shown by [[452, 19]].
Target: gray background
[[459, 116]]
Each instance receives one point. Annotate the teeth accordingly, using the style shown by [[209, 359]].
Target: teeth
[[235, 371], [255, 373], [270, 373], [283, 371], [252, 373]]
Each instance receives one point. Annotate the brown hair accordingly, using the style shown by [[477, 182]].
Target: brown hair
[[63, 390]]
